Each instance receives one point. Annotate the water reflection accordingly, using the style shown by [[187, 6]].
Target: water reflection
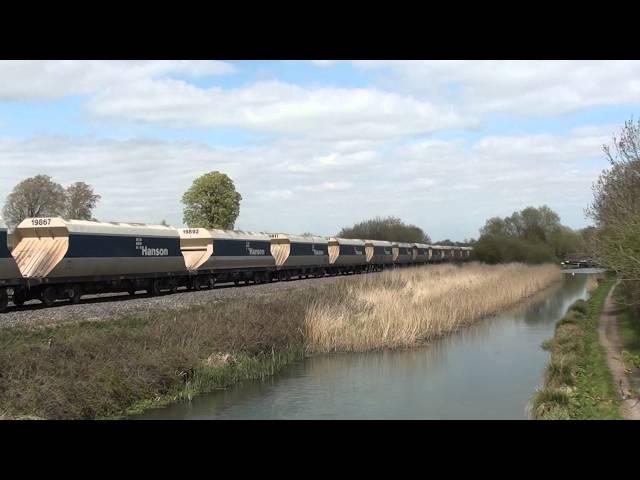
[[488, 370]]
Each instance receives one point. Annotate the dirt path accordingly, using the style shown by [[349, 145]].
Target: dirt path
[[610, 340]]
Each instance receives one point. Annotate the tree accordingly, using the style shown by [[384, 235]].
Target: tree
[[80, 201], [211, 202], [390, 229], [615, 209], [496, 227], [566, 241], [532, 235], [37, 196]]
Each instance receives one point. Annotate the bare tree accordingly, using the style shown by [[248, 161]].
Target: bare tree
[[37, 196], [80, 201], [616, 208]]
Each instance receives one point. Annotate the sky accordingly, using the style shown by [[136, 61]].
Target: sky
[[314, 146]]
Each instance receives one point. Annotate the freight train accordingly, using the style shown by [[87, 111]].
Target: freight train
[[56, 259]]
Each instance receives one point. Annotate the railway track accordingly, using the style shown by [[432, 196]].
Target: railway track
[[108, 306]]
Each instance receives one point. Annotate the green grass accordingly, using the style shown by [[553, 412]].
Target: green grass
[[110, 369], [578, 383]]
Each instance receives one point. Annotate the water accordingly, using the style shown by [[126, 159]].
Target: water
[[487, 371]]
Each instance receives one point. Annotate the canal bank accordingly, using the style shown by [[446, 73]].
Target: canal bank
[[578, 382], [487, 370]]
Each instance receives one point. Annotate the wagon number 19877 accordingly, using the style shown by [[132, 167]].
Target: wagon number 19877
[[41, 221]]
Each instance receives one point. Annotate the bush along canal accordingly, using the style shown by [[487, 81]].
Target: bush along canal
[[487, 370]]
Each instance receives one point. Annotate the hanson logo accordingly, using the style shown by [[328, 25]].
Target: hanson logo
[[150, 252], [254, 251], [357, 251], [316, 252]]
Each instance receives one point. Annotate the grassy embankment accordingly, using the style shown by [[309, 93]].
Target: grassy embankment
[[123, 366], [578, 383]]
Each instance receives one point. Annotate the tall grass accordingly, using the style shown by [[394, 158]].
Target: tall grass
[[403, 308]]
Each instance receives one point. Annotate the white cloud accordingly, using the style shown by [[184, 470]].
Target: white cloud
[[335, 155], [323, 63], [272, 106], [153, 92], [448, 188], [276, 194], [325, 187], [52, 79], [518, 87]]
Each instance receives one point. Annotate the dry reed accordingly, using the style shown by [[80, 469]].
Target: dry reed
[[405, 307]]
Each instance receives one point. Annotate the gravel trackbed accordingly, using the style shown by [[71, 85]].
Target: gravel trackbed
[[103, 307]]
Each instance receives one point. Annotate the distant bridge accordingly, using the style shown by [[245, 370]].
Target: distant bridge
[[580, 261]]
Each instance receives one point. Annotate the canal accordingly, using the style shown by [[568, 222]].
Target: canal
[[487, 371]]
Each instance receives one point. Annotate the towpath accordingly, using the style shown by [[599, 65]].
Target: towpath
[[610, 340]]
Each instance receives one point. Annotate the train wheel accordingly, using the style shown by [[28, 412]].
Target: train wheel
[[211, 281], [75, 293], [19, 298], [49, 296], [155, 288], [173, 286], [4, 300], [130, 287]]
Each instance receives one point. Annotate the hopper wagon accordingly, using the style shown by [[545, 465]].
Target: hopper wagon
[[219, 256], [436, 254], [379, 254], [419, 253], [299, 256], [65, 259], [401, 253], [446, 252], [347, 256]]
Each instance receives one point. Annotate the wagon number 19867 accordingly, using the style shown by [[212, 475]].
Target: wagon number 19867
[[41, 221]]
